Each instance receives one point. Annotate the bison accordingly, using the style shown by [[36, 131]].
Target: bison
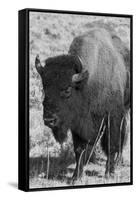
[[86, 89]]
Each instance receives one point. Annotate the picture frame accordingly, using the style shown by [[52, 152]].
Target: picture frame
[[43, 162]]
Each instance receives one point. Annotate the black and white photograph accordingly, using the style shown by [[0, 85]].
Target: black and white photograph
[[80, 89]]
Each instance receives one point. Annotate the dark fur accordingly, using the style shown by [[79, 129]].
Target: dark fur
[[81, 106]]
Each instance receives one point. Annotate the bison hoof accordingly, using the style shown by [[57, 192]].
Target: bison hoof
[[42, 175], [109, 175], [74, 179]]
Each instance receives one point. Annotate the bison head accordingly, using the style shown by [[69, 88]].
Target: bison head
[[64, 87]]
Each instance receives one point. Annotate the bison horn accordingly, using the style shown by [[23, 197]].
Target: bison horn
[[78, 64], [80, 77], [38, 65]]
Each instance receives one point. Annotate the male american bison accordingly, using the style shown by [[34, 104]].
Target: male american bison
[[88, 85]]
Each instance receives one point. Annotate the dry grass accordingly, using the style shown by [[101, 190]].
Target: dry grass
[[50, 164], [60, 173], [57, 169]]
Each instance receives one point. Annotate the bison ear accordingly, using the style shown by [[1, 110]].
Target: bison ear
[[38, 65], [80, 79]]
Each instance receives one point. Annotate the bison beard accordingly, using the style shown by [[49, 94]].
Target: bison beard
[[60, 134], [96, 73]]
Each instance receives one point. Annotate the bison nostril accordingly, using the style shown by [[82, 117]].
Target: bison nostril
[[51, 121], [48, 119]]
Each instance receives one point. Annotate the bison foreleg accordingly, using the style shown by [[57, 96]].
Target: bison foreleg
[[79, 149], [113, 140], [110, 165]]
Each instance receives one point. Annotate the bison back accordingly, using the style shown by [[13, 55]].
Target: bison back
[[106, 67]]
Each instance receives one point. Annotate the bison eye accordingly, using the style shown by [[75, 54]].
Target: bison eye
[[65, 92]]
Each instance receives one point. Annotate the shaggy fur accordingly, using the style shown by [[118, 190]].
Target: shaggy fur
[[81, 106]]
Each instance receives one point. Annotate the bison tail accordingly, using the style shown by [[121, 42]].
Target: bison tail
[[127, 92]]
